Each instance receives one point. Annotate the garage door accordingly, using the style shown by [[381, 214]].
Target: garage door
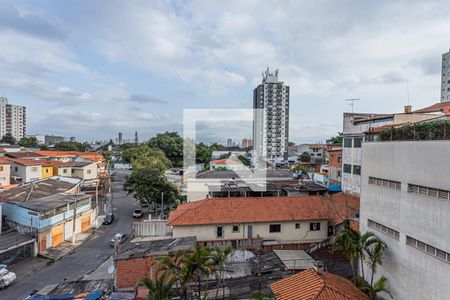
[[57, 235], [68, 229]]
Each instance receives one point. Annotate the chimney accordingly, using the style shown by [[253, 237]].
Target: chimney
[[408, 109]]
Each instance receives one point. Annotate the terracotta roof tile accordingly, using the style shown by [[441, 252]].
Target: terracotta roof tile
[[262, 209], [435, 108], [310, 285], [27, 162]]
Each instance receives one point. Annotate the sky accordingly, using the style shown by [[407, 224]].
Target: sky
[[93, 68]]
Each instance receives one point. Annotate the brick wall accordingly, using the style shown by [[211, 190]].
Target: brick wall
[[130, 271]]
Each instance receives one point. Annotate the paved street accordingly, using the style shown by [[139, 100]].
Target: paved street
[[87, 257]]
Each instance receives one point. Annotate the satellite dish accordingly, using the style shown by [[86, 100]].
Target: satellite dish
[[111, 269]]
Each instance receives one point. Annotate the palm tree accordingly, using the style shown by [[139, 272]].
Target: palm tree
[[380, 286], [219, 258], [374, 255], [159, 289], [346, 244]]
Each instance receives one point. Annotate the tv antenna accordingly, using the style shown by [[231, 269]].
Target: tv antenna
[[352, 102]]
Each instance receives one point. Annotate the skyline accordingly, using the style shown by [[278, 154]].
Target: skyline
[[94, 70]]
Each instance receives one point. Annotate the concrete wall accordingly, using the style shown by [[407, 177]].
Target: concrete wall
[[412, 273], [288, 232], [5, 173], [88, 172], [28, 173]]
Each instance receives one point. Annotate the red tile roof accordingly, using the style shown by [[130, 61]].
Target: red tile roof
[[87, 155], [443, 107], [311, 285], [27, 162], [4, 161], [262, 209], [232, 160]]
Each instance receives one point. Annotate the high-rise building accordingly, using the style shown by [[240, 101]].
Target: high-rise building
[[120, 139], [12, 119], [271, 127], [445, 82], [229, 143], [136, 138], [405, 200], [247, 143]]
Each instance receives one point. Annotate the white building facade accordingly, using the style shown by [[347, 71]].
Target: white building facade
[[12, 119], [445, 82], [271, 128], [405, 200]]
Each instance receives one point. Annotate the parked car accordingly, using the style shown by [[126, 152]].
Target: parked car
[[109, 218], [118, 239], [137, 213], [144, 204]]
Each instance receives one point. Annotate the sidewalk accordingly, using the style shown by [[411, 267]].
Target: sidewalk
[[65, 247]]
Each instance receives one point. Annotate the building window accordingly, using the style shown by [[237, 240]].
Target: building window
[[357, 142], [386, 183], [16, 169], [1, 168], [440, 254], [314, 226], [380, 227], [219, 232], [34, 169], [347, 169], [89, 171], [347, 143], [356, 170], [235, 228], [339, 159], [428, 191], [47, 171], [64, 171], [297, 225], [274, 228]]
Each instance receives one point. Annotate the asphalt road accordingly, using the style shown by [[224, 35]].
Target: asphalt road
[[85, 258]]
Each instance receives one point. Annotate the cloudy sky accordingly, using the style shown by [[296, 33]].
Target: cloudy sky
[[93, 68]]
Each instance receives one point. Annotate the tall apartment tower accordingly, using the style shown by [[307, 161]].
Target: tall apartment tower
[[12, 119], [445, 83], [271, 127], [120, 139], [136, 138]]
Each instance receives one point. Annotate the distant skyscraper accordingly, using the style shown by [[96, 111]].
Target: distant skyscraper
[[229, 143], [247, 143], [136, 138], [445, 82], [73, 139], [120, 139], [12, 119], [271, 128]]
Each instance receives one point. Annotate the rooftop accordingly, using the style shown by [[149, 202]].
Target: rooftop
[[312, 285], [39, 188], [437, 107], [46, 203], [228, 174], [27, 162], [295, 259], [156, 247], [13, 238], [264, 209], [24, 154]]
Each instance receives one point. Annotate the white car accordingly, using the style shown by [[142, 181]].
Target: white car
[[117, 239], [137, 213]]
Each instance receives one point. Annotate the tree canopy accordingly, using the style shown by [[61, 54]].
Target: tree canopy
[[305, 157], [72, 146], [146, 156], [28, 142], [171, 143], [8, 138], [336, 139]]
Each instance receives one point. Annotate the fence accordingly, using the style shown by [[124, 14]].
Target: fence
[[151, 228]]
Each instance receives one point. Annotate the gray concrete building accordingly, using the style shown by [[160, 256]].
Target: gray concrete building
[[445, 82], [12, 119], [405, 200], [271, 128]]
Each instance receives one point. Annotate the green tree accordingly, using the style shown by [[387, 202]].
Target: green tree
[[336, 139], [245, 160], [72, 146], [145, 156], [147, 184], [347, 245], [8, 138], [305, 157], [28, 141], [159, 288], [203, 153], [219, 257], [171, 143], [225, 155]]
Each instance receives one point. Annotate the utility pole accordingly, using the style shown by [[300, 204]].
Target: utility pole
[[75, 215], [352, 101]]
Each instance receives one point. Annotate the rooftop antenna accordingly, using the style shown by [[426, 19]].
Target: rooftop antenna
[[352, 102], [407, 89]]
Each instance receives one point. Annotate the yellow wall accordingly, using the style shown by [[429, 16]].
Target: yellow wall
[[47, 171]]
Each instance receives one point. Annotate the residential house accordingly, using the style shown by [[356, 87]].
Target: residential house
[[196, 186], [25, 155], [5, 172], [231, 163], [314, 283], [84, 170], [405, 200], [47, 169], [134, 260], [25, 170], [255, 223], [335, 164], [46, 208]]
